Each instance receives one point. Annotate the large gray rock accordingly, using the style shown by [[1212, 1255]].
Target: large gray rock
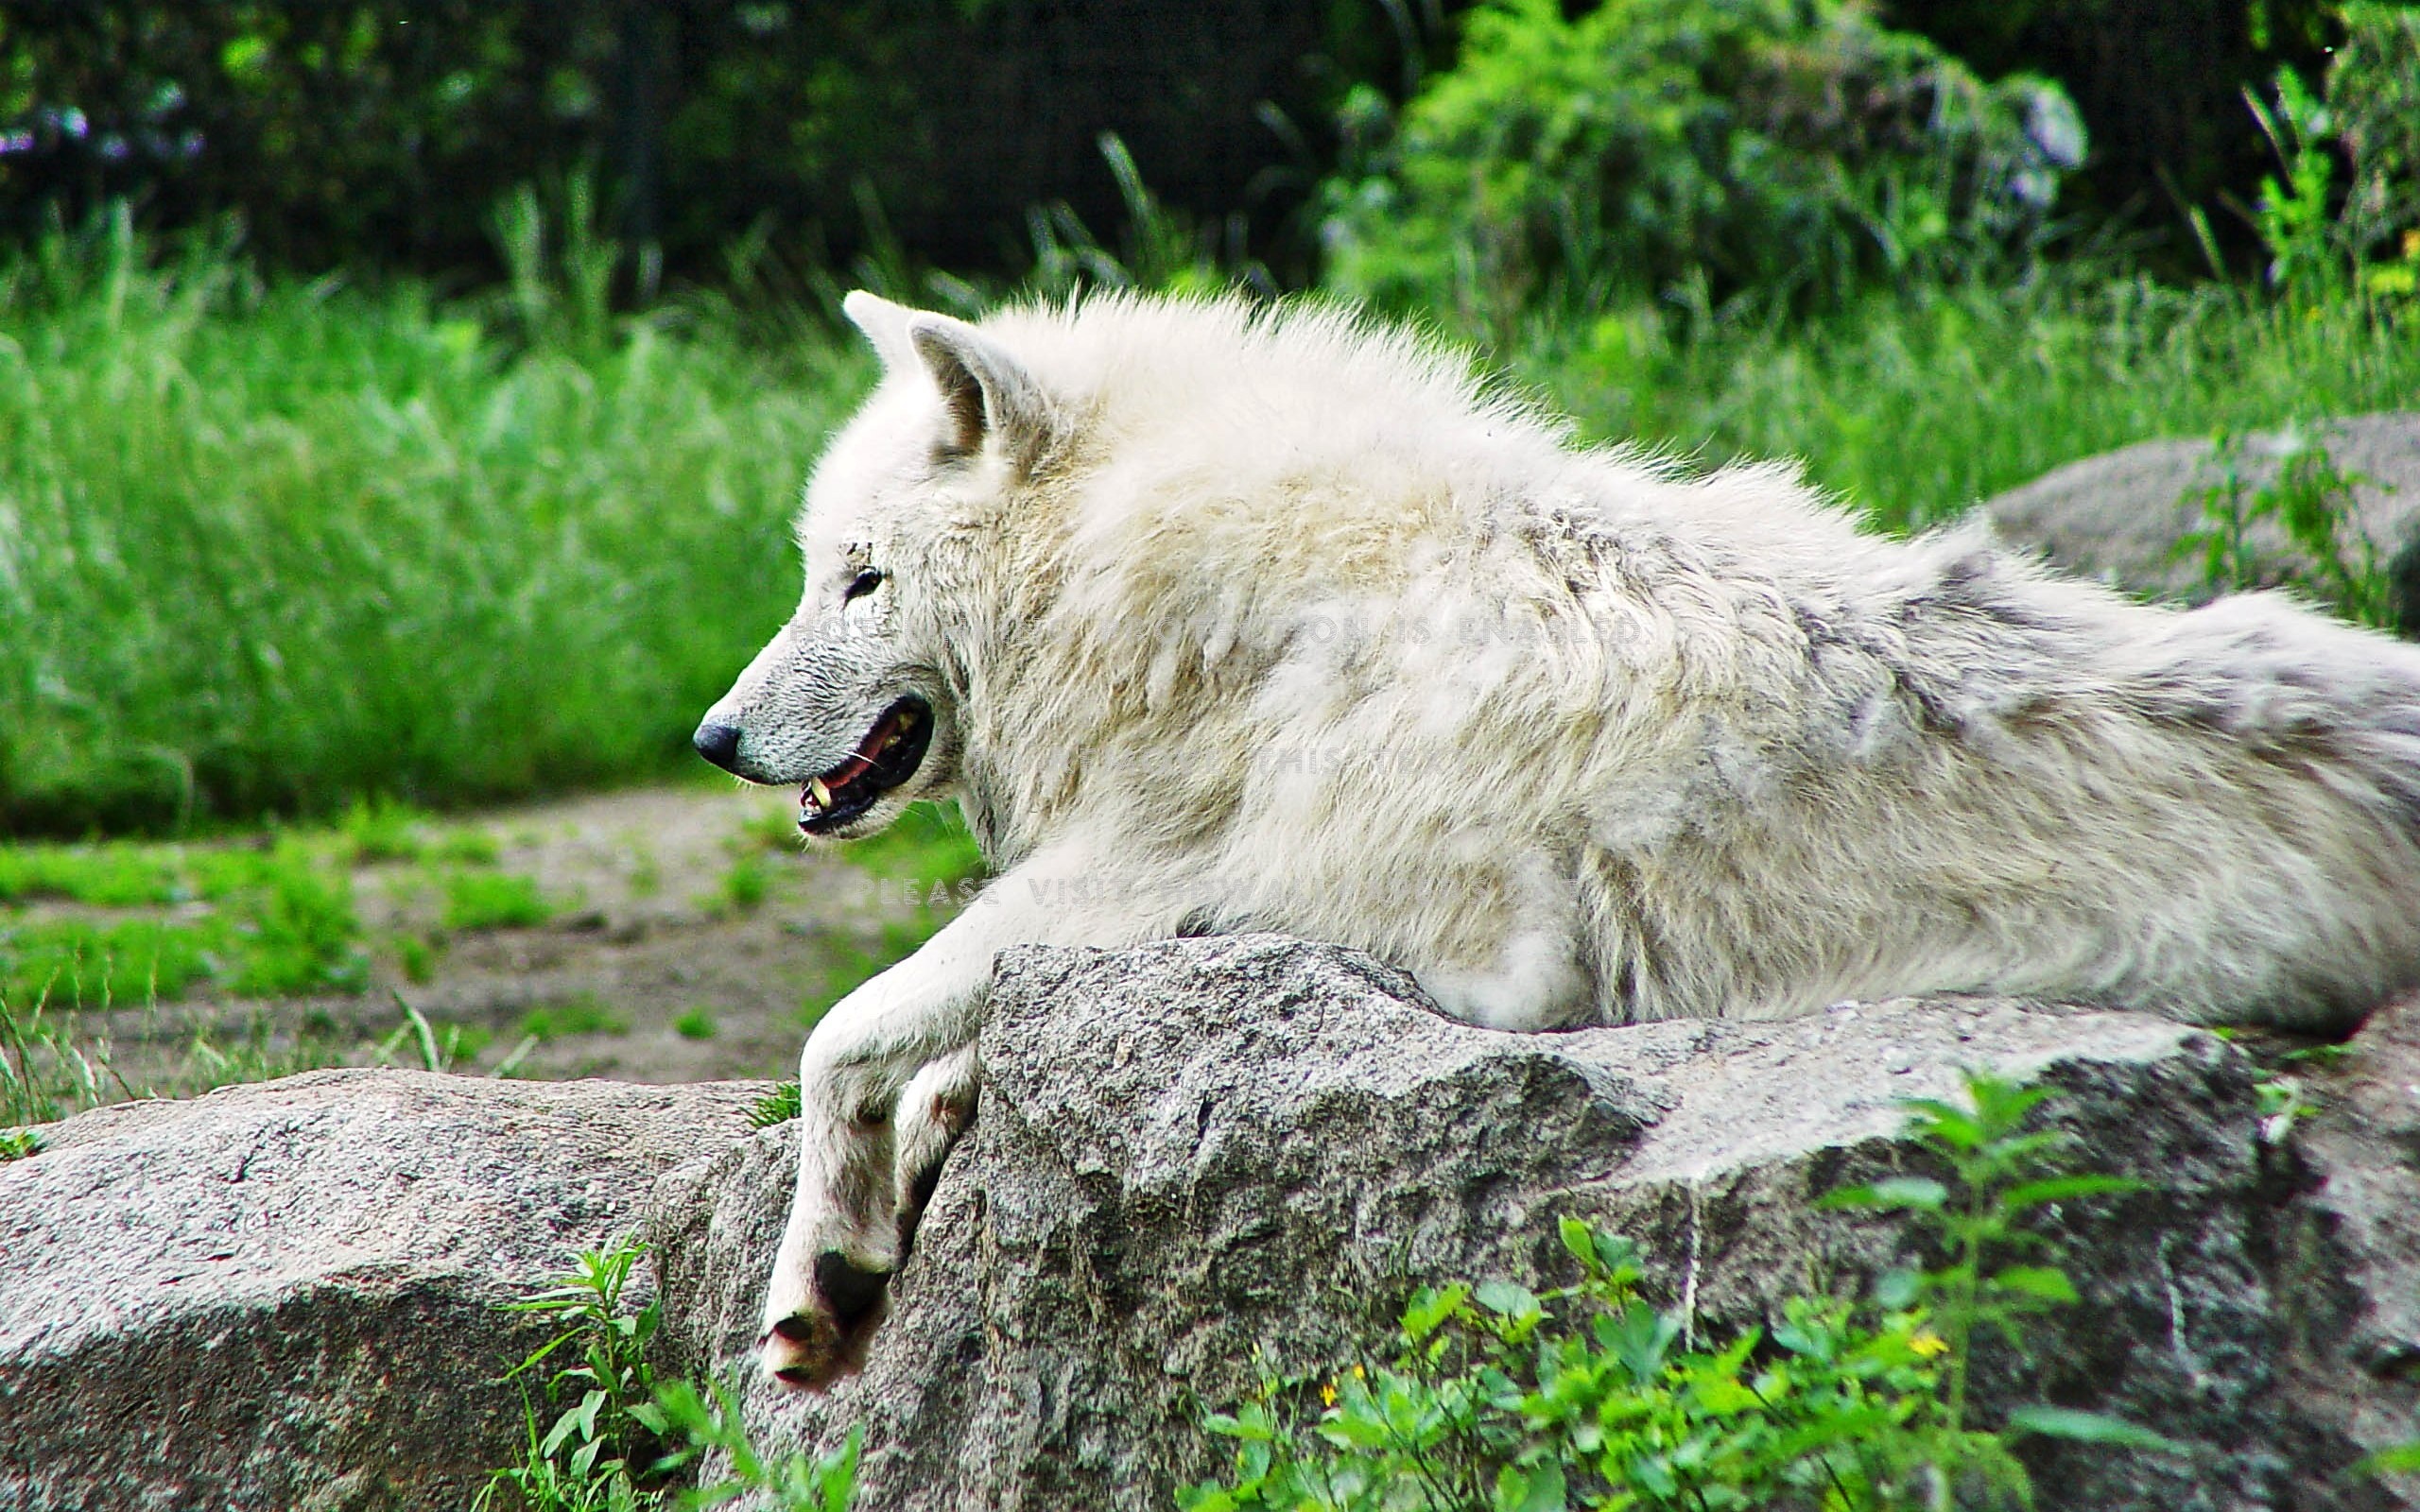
[[2119, 516], [1198, 1160], [283, 1296]]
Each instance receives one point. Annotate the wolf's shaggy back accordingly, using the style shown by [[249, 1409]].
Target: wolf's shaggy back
[[1291, 622]]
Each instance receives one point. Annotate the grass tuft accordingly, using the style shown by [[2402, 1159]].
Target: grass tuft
[[492, 900]]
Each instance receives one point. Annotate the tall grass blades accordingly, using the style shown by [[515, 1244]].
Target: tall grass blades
[[1913, 404], [267, 547]]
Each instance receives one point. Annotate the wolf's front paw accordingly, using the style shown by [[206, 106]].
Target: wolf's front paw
[[820, 1333]]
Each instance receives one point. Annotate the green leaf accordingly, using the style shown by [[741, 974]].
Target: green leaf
[[2064, 1188], [1429, 1307], [2401, 1459], [1941, 1122], [1898, 1289], [561, 1433], [1579, 1240], [2046, 1281], [2089, 1428], [1532, 1488], [1618, 1255], [1506, 1298]]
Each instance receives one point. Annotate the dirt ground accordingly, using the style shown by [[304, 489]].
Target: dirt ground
[[691, 938]]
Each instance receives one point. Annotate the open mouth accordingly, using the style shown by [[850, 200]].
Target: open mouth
[[888, 755]]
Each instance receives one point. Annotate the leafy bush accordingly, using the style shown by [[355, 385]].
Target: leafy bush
[[2374, 90], [1697, 148], [1502, 1399]]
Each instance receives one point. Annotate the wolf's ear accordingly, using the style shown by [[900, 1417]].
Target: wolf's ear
[[989, 395], [884, 325]]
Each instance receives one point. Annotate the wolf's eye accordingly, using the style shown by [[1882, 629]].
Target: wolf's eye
[[859, 585]]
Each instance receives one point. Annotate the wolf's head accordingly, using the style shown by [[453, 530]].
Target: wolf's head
[[856, 700]]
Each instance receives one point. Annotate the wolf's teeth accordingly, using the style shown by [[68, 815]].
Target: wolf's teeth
[[816, 790]]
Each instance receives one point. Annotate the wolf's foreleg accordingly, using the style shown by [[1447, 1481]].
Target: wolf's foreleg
[[935, 1109], [863, 1147]]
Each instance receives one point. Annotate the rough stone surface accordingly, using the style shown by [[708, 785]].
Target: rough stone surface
[[282, 1297], [1197, 1150], [2119, 516]]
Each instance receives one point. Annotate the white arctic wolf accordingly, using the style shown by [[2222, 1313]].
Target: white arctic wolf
[[1212, 617]]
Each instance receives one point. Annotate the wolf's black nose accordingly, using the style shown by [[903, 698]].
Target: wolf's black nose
[[718, 744]]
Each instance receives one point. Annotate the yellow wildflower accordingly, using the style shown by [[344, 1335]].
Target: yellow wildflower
[[1929, 1344]]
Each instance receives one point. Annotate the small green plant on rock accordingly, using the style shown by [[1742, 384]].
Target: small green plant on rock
[[794, 1483], [779, 1106], [622, 1440], [604, 1448], [1502, 1399], [2313, 503]]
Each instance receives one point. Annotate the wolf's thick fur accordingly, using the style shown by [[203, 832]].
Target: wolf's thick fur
[[1248, 619]]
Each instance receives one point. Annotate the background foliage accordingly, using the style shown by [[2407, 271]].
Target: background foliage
[[1705, 151], [377, 134], [404, 397]]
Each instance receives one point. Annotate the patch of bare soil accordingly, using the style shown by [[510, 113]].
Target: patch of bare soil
[[689, 938]]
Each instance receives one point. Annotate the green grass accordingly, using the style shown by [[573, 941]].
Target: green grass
[[580, 1015], [271, 548], [275, 548], [695, 1025], [493, 900], [745, 885], [1913, 406], [58, 1058], [256, 922]]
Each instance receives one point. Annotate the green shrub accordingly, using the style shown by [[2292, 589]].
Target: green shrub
[[779, 1106], [1502, 1399], [604, 1445], [1913, 404], [259, 923], [1788, 150], [380, 829], [2373, 94], [744, 886]]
